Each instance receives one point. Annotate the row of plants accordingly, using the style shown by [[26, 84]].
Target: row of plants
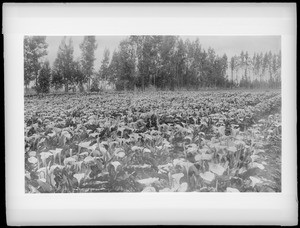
[[146, 144]]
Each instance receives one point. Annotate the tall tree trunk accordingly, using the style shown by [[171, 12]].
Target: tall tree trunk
[[155, 78], [81, 89], [176, 73], [143, 82], [231, 77], [36, 83], [66, 88], [150, 77], [88, 85]]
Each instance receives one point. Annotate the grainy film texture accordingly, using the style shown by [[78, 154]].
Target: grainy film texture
[[152, 114]]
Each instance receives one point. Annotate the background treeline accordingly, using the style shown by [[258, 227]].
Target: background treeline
[[164, 62]]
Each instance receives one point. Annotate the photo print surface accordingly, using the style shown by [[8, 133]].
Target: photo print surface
[[152, 113]]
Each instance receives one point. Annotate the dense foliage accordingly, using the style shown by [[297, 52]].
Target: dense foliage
[[44, 78], [153, 142], [63, 66], [88, 47], [164, 62], [259, 71], [35, 48]]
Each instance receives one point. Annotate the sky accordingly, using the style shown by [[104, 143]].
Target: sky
[[231, 45]]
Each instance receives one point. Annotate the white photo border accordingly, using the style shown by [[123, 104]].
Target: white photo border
[[144, 19]]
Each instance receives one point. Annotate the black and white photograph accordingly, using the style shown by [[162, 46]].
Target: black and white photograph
[[150, 113]]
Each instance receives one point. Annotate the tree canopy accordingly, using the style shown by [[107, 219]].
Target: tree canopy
[[164, 62]]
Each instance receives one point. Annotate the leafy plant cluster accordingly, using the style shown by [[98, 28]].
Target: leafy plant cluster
[[152, 142]]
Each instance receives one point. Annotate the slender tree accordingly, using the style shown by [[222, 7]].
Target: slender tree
[[170, 62], [44, 78], [77, 74], [35, 48], [232, 67], [63, 66], [88, 47], [104, 68]]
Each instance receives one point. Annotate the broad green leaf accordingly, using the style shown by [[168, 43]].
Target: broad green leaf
[[104, 143], [145, 166], [254, 181], [219, 147], [189, 166], [159, 147], [45, 155], [89, 159], [43, 169], [149, 189], [120, 154], [166, 190], [79, 176], [96, 153], [32, 154], [206, 157], [232, 149], [42, 140], [33, 160], [84, 144], [165, 168], [52, 134], [102, 149], [42, 180], [225, 166], [254, 158], [53, 167], [136, 148], [84, 154], [208, 176], [183, 187], [135, 136], [239, 137], [203, 150], [94, 134], [119, 150], [239, 142], [258, 151], [146, 150], [221, 130], [255, 164], [177, 177], [44, 185], [56, 152], [92, 117], [192, 150], [166, 144], [216, 168], [148, 181], [179, 162], [93, 147], [78, 165], [115, 164], [228, 189], [189, 138], [66, 134], [52, 179], [69, 161], [242, 170]]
